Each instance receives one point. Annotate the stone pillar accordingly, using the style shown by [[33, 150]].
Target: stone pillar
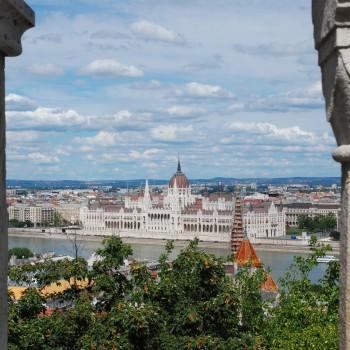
[[16, 17], [331, 19]]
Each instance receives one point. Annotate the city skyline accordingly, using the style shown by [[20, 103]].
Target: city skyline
[[117, 91]]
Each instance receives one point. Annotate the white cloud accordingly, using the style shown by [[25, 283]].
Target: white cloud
[[41, 158], [147, 154], [49, 37], [46, 70], [153, 32], [16, 102], [126, 120], [111, 68], [198, 90], [147, 85], [172, 133], [44, 119], [63, 150], [151, 165], [275, 49], [23, 113], [85, 148], [73, 38], [21, 136], [266, 133], [185, 111], [101, 139], [307, 98]]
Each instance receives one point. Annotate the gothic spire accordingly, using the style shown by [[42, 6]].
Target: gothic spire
[[178, 164]]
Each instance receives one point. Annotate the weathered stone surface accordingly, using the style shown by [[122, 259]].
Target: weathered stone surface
[[331, 20], [15, 18], [3, 214], [342, 154], [323, 16]]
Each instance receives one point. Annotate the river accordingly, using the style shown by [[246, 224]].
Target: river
[[278, 262]]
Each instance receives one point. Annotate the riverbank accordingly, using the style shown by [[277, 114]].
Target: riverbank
[[131, 240], [303, 249]]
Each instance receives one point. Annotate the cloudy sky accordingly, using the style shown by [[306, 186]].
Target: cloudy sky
[[115, 89]]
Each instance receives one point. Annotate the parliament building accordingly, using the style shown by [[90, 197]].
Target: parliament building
[[179, 214]]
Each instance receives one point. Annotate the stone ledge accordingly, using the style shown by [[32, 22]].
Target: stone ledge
[[16, 17], [342, 154]]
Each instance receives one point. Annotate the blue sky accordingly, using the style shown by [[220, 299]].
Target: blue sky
[[115, 89]]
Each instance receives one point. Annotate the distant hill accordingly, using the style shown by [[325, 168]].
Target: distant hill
[[70, 184]]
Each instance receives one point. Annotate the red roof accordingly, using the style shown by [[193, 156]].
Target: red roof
[[269, 285], [47, 312], [179, 178], [246, 254]]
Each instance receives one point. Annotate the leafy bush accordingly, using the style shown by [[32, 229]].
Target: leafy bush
[[189, 304], [20, 253]]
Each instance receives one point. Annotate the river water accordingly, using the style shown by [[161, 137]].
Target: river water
[[278, 262]]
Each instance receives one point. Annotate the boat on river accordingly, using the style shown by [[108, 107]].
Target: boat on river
[[326, 259]]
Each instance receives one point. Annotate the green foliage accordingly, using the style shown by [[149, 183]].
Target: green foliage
[[20, 253], [20, 224], [307, 314], [294, 231], [59, 221], [335, 235], [319, 223], [189, 304], [31, 304], [109, 283]]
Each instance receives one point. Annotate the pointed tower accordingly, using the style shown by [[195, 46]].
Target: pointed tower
[[269, 285], [178, 165], [246, 254], [237, 234], [147, 197]]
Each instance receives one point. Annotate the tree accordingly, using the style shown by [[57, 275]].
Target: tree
[[335, 235], [59, 221], [13, 223], [20, 253], [321, 223], [109, 282], [20, 224], [189, 304], [306, 316], [28, 223]]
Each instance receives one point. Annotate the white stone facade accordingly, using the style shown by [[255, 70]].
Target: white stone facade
[[265, 225], [35, 214], [175, 216], [178, 214]]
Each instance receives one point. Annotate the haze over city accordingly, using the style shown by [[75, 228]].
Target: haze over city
[[116, 90]]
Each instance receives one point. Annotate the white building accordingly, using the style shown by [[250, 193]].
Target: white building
[[178, 214], [262, 224], [294, 210], [35, 214]]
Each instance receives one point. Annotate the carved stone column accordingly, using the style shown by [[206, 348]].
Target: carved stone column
[[331, 20], [15, 18]]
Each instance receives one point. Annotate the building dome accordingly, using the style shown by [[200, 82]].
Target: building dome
[[179, 178]]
